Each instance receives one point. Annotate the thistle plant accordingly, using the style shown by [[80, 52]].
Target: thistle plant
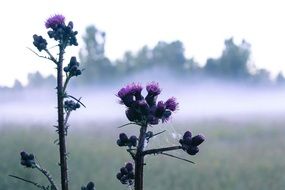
[[146, 112], [65, 36]]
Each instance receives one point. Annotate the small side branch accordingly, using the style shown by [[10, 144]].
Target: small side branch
[[170, 155], [159, 133], [66, 118], [49, 58], [132, 154], [127, 124], [161, 150], [78, 100], [65, 83], [31, 182], [48, 176]]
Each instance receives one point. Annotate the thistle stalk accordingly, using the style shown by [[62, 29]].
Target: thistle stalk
[[139, 159], [61, 128]]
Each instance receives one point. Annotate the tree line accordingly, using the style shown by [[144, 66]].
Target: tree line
[[232, 65]]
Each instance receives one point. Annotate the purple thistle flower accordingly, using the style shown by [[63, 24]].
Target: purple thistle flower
[[171, 104], [54, 21], [130, 89], [153, 89], [127, 94]]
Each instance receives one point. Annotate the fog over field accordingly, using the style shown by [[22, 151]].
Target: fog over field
[[207, 100]]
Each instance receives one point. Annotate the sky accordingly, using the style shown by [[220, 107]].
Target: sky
[[130, 24]]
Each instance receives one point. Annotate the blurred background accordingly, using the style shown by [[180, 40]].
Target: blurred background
[[222, 60]]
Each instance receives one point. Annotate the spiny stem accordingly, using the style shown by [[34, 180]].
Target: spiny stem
[[139, 159], [61, 127]]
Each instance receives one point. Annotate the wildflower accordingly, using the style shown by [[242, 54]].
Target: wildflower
[[171, 104], [54, 21], [60, 32], [130, 93], [153, 91], [145, 110]]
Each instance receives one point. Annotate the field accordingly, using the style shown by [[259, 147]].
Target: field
[[237, 155]]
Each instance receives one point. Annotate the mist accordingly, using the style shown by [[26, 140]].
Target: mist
[[202, 100]]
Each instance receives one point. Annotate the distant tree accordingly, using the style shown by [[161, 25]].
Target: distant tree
[[169, 54], [262, 76], [280, 79], [36, 80], [96, 66], [233, 62], [163, 56], [17, 85]]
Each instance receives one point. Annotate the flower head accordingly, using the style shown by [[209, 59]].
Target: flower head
[[146, 109], [54, 21], [171, 104], [129, 93], [153, 89], [128, 90]]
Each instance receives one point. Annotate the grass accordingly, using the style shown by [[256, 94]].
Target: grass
[[237, 155]]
